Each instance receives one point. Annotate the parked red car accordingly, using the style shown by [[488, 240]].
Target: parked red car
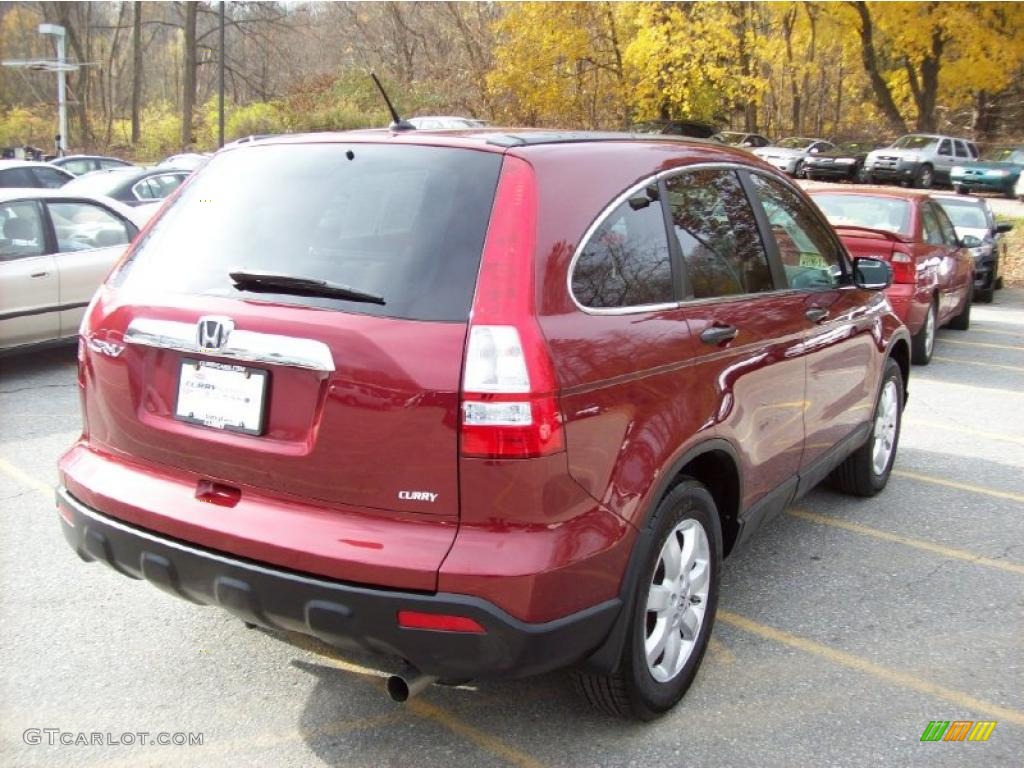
[[490, 403], [933, 274]]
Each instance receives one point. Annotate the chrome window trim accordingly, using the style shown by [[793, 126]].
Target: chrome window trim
[[623, 197], [247, 346]]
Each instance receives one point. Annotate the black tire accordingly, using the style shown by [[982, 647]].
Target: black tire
[[960, 189], [962, 321], [921, 347], [999, 284], [984, 295], [631, 691], [798, 170], [924, 177], [857, 475]]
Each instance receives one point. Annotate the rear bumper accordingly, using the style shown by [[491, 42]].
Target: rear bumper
[[338, 613]]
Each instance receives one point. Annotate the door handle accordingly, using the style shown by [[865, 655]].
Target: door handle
[[38, 274], [718, 334], [816, 314]]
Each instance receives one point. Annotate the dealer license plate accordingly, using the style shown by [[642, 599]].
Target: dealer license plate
[[222, 396]]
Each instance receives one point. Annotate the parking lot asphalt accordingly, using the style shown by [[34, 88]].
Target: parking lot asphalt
[[844, 628]]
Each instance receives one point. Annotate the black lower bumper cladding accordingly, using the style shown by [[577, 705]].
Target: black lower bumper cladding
[[341, 614]]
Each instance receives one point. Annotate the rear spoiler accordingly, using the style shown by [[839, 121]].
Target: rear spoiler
[[885, 234]]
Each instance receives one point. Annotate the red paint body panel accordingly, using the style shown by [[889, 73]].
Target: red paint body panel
[[393, 394], [348, 544]]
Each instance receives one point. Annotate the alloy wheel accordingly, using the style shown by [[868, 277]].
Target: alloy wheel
[[677, 600], [886, 421]]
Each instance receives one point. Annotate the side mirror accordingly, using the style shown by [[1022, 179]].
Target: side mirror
[[1003, 228], [871, 274], [970, 241]]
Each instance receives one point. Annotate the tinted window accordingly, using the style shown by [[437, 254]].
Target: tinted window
[[17, 177], [809, 255], [21, 230], [403, 222], [50, 177], [626, 262], [83, 226], [945, 148], [104, 164], [961, 149], [717, 233]]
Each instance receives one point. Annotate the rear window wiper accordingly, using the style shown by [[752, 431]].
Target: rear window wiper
[[272, 282]]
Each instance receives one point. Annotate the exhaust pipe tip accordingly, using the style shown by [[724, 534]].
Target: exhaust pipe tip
[[408, 683]]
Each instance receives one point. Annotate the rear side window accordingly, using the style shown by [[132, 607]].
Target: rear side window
[[17, 177], [626, 262], [21, 230], [717, 233], [50, 177], [404, 222]]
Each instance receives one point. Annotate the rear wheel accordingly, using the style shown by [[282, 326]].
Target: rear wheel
[[923, 342], [672, 612], [798, 170], [924, 178], [866, 471], [960, 189], [963, 319]]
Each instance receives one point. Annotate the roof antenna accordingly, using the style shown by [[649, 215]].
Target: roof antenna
[[397, 123]]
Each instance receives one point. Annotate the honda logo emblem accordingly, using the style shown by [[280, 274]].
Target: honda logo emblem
[[213, 332]]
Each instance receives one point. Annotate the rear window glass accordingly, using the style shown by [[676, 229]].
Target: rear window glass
[[887, 213], [406, 223]]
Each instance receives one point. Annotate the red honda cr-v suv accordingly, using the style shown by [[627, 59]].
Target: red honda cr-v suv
[[492, 403]]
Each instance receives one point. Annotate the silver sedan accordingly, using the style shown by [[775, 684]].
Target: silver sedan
[[55, 250]]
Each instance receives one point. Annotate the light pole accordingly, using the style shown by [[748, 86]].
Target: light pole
[[58, 33]]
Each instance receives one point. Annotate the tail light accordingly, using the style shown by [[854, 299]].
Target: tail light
[[509, 395], [903, 268]]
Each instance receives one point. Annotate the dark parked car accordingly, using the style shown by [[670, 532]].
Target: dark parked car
[[79, 165], [26, 174], [132, 186], [933, 275], [740, 139], [997, 171], [468, 401], [691, 128], [844, 162], [979, 232]]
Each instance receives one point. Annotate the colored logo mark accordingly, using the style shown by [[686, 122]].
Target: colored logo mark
[[958, 730]]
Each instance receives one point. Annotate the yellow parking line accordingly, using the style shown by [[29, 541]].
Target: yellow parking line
[[918, 380], [959, 486], [425, 709], [914, 422], [982, 344], [927, 546], [24, 478], [885, 674], [492, 744], [1014, 368]]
